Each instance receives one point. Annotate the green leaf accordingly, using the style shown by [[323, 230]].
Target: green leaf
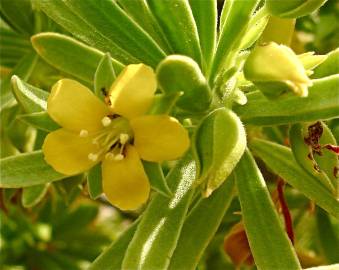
[[269, 243], [70, 55], [112, 257], [83, 30], [329, 66], [155, 239], [177, 22], [256, 27], [18, 14], [31, 196], [281, 161], [218, 143], [94, 181], [157, 178], [30, 98], [39, 120], [26, 170], [142, 15], [233, 29], [24, 70], [104, 76], [206, 15], [321, 103], [329, 241], [304, 156], [200, 226], [107, 15]]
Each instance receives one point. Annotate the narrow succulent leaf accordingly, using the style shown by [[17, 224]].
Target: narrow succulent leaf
[[83, 30], [256, 27], [157, 178], [23, 69], [321, 103], [263, 227], [224, 13], [30, 98], [329, 67], [18, 14], [104, 76], [39, 120], [140, 12], [26, 170], [177, 22], [232, 34], [156, 237], [70, 55], [107, 15], [200, 226], [205, 15], [281, 161], [111, 258], [31, 196], [94, 182], [219, 142], [304, 156], [329, 240]]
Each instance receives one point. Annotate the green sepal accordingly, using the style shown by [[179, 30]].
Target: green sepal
[[156, 178], [329, 67], [32, 195], [178, 73], [104, 76], [70, 56], [218, 143], [94, 182]]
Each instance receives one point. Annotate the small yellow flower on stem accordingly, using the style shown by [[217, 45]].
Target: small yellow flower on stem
[[118, 134]]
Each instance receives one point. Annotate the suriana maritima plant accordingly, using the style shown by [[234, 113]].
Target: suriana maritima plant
[[215, 133]]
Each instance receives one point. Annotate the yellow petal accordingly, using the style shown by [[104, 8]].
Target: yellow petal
[[159, 137], [133, 91], [67, 152], [125, 182], [75, 107]]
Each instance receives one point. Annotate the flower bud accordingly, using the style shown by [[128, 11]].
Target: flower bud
[[178, 73], [219, 143], [293, 8], [274, 69]]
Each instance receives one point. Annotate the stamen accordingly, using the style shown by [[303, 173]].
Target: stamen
[[106, 121], [124, 138], [119, 157], [92, 157], [109, 156], [83, 133]]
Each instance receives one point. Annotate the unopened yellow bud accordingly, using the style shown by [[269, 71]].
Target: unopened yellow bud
[[275, 69]]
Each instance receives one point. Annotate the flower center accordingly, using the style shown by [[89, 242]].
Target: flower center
[[112, 139]]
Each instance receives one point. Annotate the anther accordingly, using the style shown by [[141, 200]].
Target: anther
[[92, 157], [106, 121], [83, 133], [109, 156], [118, 157], [124, 138]]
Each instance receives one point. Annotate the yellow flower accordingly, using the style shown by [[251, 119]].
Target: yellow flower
[[118, 134]]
